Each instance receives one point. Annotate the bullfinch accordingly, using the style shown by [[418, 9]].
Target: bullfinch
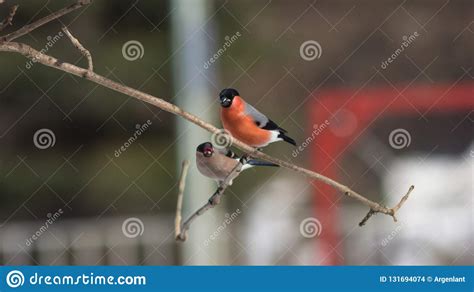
[[246, 123], [218, 163]]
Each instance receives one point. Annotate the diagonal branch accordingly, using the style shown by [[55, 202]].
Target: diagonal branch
[[29, 52], [214, 200], [8, 21], [30, 27], [171, 108], [80, 47]]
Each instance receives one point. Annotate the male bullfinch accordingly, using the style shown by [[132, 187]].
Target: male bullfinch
[[218, 164], [246, 123]]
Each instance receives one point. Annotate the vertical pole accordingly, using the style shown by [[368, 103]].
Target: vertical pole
[[190, 47]]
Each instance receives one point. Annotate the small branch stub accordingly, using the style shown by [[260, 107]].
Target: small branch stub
[[40, 22], [8, 21], [390, 212], [81, 48]]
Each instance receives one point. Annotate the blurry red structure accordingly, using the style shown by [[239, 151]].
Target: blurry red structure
[[360, 110]]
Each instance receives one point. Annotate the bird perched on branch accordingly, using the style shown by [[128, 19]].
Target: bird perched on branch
[[246, 123], [218, 163]]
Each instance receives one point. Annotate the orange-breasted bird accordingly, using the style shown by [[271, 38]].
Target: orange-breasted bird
[[246, 123], [218, 163]]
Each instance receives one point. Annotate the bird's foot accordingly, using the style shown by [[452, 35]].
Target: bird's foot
[[215, 200]]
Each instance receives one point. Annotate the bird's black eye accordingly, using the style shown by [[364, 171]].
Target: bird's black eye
[[208, 151]]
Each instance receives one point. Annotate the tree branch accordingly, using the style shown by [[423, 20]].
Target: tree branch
[[80, 47], [30, 27], [8, 21], [29, 52], [214, 200], [179, 204], [392, 211]]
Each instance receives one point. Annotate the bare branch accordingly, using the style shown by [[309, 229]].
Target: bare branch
[[392, 212], [179, 205], [402, 201], [367, 217], [40, 22], [80, 47], [50, 61], [171, 108], [8, 21], [214, 200]]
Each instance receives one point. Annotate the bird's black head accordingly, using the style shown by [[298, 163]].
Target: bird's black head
[[206, 149], [227, 96]]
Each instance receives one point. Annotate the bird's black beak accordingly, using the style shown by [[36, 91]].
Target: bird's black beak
[[225, 101]]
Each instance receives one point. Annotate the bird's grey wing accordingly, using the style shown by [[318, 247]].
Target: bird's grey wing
[[261, 120]]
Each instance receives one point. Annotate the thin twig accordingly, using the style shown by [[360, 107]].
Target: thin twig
[[8, 21], [367, 217], [214, 200], [392, 212], [402, 201], [179, 205], [50, 61], [80, 47], [30, 27]]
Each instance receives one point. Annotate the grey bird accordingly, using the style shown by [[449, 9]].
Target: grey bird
[[219, 163]]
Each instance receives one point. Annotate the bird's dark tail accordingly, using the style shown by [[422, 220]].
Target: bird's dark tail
[[254, 162], [286, 138]]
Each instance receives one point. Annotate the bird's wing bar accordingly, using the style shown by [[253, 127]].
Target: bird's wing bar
[[261, 120], [227, 152], [271, 125], [231, 154]]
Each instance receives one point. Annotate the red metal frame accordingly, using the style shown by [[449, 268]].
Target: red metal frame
[[367, 106]]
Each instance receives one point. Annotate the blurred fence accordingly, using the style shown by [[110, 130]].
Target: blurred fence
[[108, 241]]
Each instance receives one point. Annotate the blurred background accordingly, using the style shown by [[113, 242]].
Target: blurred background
[[377, 94]]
